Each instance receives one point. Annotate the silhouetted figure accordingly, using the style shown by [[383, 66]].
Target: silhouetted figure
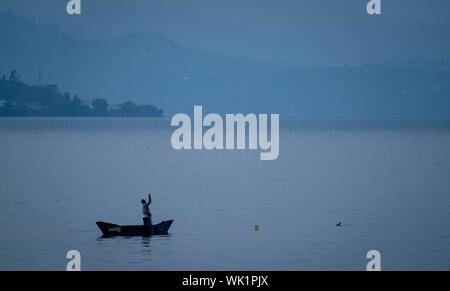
[[339, 224], [146, 215]]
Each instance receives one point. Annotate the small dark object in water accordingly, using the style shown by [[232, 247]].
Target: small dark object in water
[[339, 224], [109, 229]]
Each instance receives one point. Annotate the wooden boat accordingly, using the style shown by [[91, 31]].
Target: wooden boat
[[109, 229]]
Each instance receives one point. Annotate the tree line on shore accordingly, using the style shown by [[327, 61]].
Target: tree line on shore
[[20, 99]]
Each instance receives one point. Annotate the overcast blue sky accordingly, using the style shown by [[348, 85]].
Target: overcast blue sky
[[297, 32]]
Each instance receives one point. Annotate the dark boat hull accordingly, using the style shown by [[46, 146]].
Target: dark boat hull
[[109, 229]]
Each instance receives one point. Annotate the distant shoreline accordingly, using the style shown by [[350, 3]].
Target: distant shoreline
[[18, 99]]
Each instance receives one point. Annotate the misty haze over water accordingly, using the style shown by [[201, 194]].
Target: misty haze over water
[[364, 139], [387, 181]]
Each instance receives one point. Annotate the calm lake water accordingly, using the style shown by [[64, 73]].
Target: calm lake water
[[389, 183]]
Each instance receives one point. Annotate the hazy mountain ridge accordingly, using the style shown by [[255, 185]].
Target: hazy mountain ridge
[[147, 67]]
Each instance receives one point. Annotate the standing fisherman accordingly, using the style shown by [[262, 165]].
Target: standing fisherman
[[146, 215]]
